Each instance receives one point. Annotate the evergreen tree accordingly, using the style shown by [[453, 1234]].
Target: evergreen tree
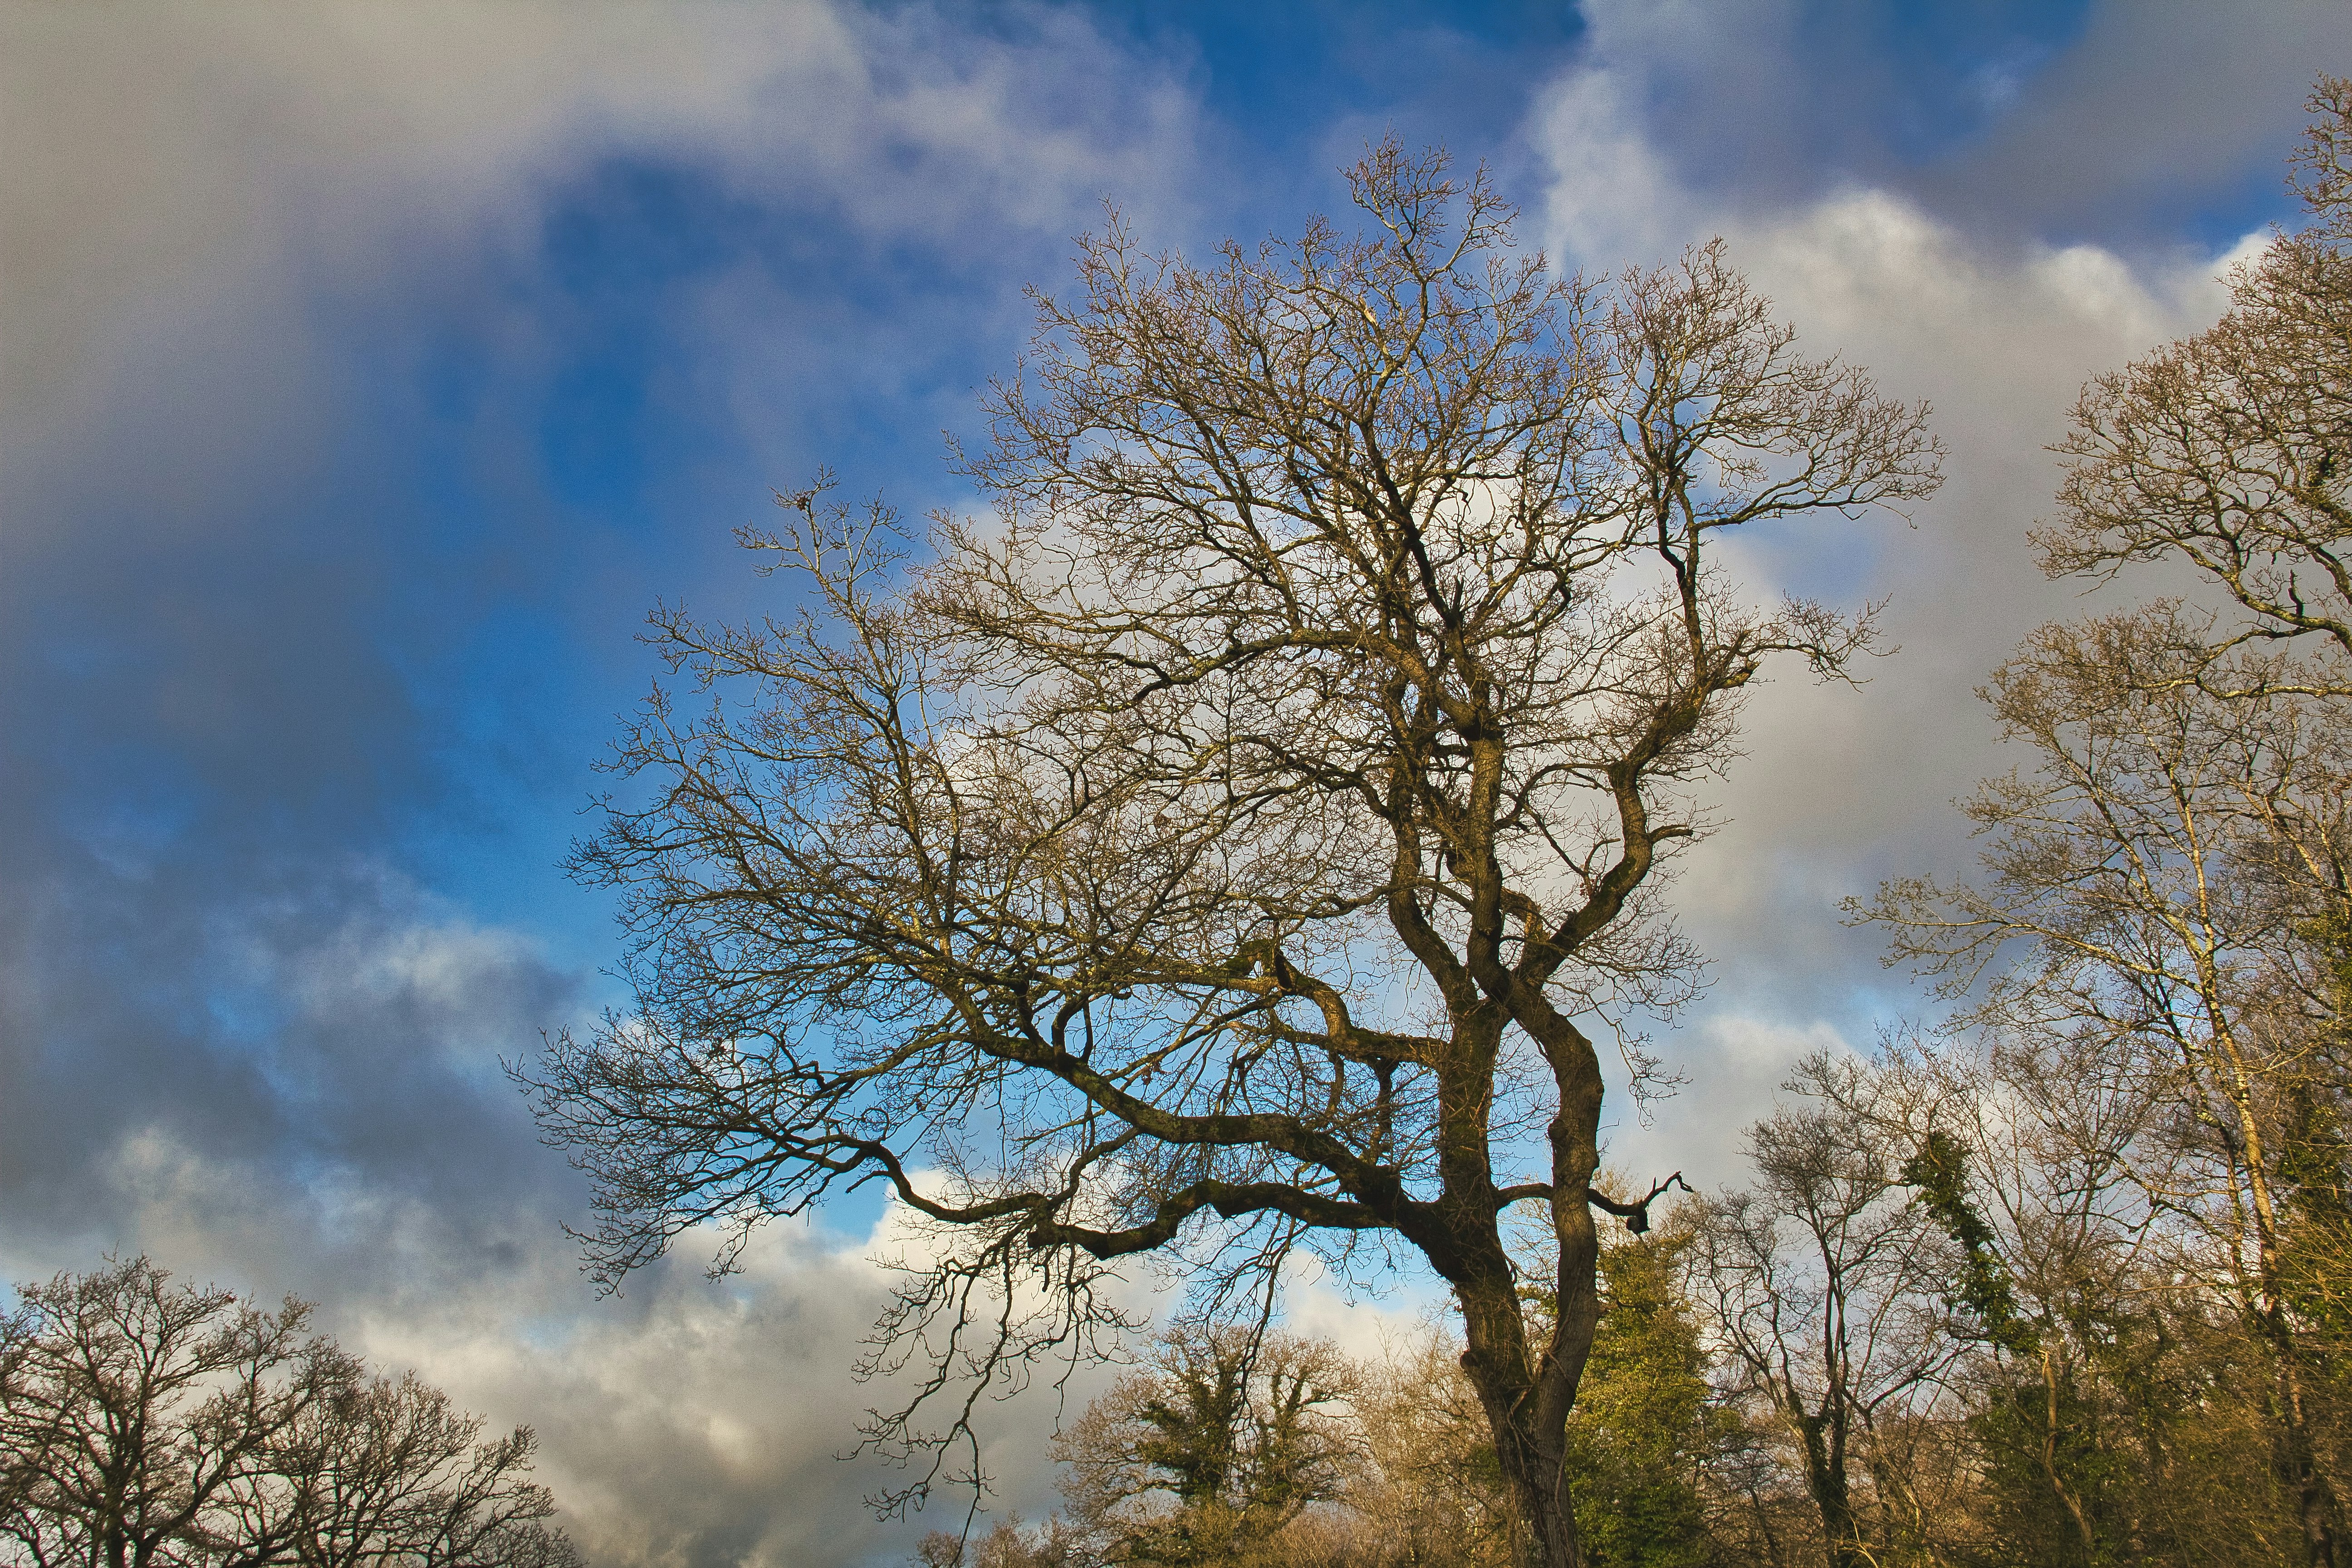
[[1642, 1427]]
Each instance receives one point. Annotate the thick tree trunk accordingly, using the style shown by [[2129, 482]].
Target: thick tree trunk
[[1527, 1391], [1530, 1449], [1548, 1534]]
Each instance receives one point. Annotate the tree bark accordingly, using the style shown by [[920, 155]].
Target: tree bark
[[2315, 1503], [1531, 1451], [2066, 1495], [1824, 1444], [1526, 1391]]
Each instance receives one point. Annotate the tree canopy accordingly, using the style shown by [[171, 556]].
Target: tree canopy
[[1240, 839], [149, 1424]]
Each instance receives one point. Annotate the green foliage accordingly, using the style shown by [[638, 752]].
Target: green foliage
[[1192, 1425], [2045, 1452], [1210, 1452]]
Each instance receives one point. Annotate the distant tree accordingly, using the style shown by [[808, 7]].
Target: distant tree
[[2164, 908], [1213, 1450], [145, 1425], [1008, 1543], [2024, 1149], [1242, 840], [1435, 1498], [1820, 1287], [2153, 881]]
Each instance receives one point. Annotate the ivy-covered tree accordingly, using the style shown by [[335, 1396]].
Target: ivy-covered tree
[[1212, 1450]]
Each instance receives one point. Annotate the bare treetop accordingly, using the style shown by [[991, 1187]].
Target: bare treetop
[[2232, 450], [148, 1425]]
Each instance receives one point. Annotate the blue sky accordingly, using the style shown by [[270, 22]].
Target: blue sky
[[366, 372]]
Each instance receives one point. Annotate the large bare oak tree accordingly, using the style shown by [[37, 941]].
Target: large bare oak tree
[[1241, 839]]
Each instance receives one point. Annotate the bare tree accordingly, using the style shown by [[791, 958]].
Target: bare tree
[[1436, 1498], [1242, 841], [132, 1410], [1008, 1543], [1821, 1282], [146, 1424], [387, 1473], [2232, 450], [2171, 866], [2038, 1156], [2154, 883]]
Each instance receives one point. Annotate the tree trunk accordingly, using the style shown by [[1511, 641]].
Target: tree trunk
[[2315, 1506], [1826, 1479], [1525, 1402], [1526, 1397], [1533, 1458], [1548, 1539], [2067, 1497]]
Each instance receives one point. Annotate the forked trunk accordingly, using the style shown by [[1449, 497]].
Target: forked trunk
[[1527, 1392], [1526, 1407]]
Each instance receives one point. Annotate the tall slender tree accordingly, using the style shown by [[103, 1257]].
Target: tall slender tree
[[2150, 881], [1820, 1285], [2230, 452]]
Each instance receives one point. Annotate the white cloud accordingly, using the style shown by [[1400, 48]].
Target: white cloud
[[198, 203], [1736, 1062], [1611, 200], [688, 1420], [1839, 788]]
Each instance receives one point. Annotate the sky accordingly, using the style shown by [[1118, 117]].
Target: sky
[[367, 370]]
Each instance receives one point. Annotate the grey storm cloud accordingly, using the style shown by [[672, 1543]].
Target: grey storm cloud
[[243, 1029], [2156, 108]]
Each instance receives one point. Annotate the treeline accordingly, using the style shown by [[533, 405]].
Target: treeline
[[2065, 1280], [145, 1424], [1967, 1313]]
